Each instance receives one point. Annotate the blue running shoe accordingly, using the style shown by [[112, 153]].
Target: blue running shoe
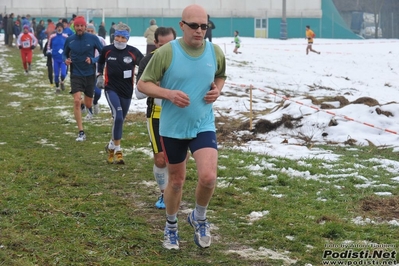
[[202, 231], [160, 204], [171, 238]]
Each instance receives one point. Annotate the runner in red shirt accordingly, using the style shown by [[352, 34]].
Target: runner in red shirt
[[26, 43]]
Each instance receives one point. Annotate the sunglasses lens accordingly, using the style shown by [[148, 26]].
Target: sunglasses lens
[[193, 26]]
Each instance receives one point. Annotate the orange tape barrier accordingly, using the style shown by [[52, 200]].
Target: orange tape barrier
[[315, 108]]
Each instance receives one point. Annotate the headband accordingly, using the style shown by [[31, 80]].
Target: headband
[[79, 20], [123, 33]]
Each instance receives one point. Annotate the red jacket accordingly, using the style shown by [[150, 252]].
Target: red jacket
[[50, 29], [26, 40]]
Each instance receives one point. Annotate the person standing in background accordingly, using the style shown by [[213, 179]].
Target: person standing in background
[[112, 33], [149, 34], [67, 30], [5, 20], [17, 31], [211, 26], [72, 23], [10, 29], [101, 30], [26, 42], [38, 33], [310, 36], [188, 74], [33, 25], [50, 28]]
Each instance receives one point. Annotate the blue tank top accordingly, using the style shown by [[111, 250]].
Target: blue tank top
[[194, 76]]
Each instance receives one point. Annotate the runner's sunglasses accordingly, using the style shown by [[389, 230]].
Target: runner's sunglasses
[[195, 26]]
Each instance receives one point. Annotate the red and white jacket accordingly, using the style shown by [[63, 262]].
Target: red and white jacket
[[26, 40]]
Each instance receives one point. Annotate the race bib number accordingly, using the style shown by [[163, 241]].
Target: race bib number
[[127, 74], [26, 44]]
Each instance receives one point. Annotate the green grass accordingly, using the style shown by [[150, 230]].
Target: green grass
[[62, 204]]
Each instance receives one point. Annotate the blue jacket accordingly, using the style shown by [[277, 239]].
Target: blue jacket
[[78, 48], [16, 30], [25, 21], [56, 45], [68, 31]]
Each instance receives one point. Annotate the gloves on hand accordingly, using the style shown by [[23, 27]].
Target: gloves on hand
[[20, 47], [100, 82], [33, 47], [49, 52]]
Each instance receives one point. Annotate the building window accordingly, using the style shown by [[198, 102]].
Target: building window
[[261, 23]]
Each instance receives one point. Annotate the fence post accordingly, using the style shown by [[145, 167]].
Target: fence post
[[250, 107]]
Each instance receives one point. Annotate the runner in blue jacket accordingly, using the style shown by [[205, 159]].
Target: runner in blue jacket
[[55, 47], [79, 53]]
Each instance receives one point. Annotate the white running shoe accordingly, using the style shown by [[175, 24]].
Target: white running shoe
[[89, 115], [96, 109], [81, 136], [202, 231], [171, 238]]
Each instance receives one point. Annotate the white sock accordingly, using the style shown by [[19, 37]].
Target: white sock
[[161, 176], [200, 212], [171, 220], [111, 145], [117, 148]]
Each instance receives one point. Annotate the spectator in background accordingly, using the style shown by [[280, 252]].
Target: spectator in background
[[10, 29], [5, 20], [19, 20], [101, 30], [33, 25], [112, 33], [50, 28], [211, 26], [17, 31], [67, 29], [25, 21], [39, 33], [72, 23], [149, 34]]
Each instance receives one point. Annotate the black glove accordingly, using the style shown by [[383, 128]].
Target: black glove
[[20, 47], [100, 82], [33, 47]]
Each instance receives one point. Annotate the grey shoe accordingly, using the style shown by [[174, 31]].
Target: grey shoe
[[202, 232], [171, 238]]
